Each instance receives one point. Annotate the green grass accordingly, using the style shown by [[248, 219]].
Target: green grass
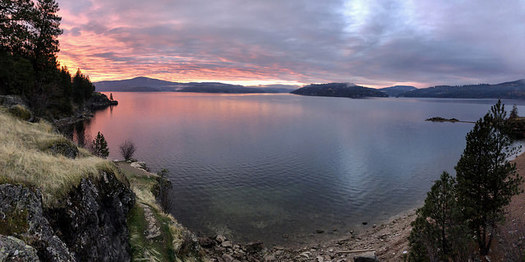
[[168, 246]]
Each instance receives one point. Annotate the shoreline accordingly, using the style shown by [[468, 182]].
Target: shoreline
[[387, 240]]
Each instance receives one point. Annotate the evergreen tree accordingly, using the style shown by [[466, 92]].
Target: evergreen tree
[[16, 24], [100, 146], [486, 179], [438, 232], [514, 113], [47, 26]]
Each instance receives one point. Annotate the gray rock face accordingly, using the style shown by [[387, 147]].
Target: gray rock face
[[93, 221], [21, 215], [14, 249], [90, 225]]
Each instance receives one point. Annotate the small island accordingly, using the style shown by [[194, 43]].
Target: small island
[[339, 90], [442, 119]]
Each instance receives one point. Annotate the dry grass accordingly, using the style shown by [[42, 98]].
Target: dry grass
[[24, 159]]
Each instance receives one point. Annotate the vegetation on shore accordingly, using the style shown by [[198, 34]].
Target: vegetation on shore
[[460, 216], [154, 234], [29, 68]]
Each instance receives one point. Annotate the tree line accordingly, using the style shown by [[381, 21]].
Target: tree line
[[29, 45], [460, 216]]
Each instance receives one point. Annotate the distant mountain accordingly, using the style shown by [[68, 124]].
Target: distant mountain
[[145, 84], [509, 90], [395, 91], [339, 90]]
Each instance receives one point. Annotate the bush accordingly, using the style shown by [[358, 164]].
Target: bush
[[21, 112], [127, 149]]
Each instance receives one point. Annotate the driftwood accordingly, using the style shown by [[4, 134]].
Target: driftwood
[[355, 251]]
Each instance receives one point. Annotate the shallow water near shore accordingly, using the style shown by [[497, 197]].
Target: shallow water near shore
[[287, 169]]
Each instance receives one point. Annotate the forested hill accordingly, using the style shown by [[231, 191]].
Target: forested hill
[[145, 84], [397, 90], [339, 90], [509, 90], [29, 68]]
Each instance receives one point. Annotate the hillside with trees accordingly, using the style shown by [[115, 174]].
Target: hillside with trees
[[339, 90], [29, 68], [510, 90]]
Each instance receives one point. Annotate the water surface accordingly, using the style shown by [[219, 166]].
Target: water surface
[[278, 167]]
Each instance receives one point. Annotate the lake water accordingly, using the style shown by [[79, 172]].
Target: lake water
[[279, 167]]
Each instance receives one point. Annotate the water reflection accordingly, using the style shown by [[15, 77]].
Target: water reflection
[[278, 167]]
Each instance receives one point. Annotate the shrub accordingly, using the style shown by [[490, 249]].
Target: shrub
[[21, 112], [127, 149]]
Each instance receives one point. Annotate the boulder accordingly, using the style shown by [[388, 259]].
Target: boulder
[[366, 257], [23, 217], [14, 249]]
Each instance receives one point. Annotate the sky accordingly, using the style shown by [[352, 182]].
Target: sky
[[257, 42]]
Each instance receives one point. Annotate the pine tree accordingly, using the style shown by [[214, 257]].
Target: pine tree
[[438, 232], [486, 179], [514, 112], [100, 146], [47, 26]]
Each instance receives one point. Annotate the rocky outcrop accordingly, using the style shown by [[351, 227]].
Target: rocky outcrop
[[99, 101], [89, 225], [14, 249], [21, 216], [92, 221]]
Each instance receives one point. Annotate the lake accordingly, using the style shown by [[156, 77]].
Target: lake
[[279, 167]]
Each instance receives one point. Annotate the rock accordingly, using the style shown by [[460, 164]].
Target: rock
[[152, 230], [319, 231], [220, 238], [365, 223], [227, 258], [254, 247], [64, 147], [320, 259], [14, 249], [366, 257], [22, 216], [227, 244], [305, 254], [92, 221], [206, 242], [269, 258]]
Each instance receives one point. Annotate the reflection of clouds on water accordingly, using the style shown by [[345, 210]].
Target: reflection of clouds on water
[[264, 167]]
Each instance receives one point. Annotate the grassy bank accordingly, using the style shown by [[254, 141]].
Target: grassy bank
[[34, 155]]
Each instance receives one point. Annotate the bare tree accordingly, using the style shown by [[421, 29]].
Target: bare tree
[[127, 149]]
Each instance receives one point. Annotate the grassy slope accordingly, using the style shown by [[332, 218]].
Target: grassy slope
[[25, 159]]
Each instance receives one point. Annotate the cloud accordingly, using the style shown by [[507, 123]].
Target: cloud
[[289, 42]]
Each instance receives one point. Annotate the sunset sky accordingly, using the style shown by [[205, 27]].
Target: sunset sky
[[373, 43]]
